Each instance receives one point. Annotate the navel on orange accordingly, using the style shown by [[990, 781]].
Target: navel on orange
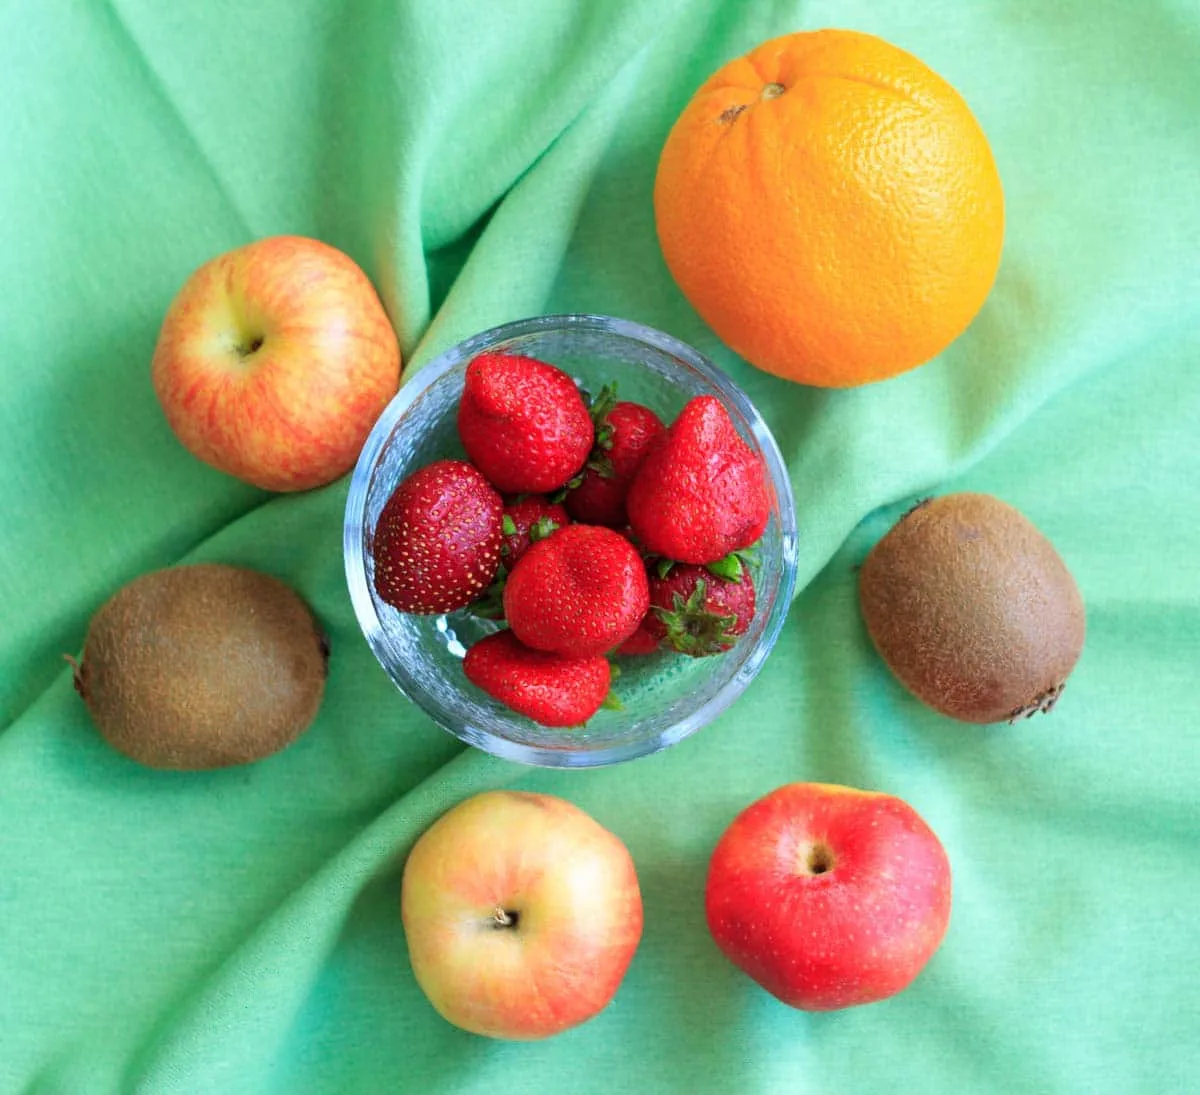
[[830, 206]]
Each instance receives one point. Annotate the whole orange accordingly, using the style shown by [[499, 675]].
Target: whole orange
[[831, 207]]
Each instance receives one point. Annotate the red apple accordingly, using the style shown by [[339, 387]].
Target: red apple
[[274, 361], [522, 914], [829, 896]]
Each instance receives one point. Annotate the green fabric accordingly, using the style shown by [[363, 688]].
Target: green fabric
[[238, 931]]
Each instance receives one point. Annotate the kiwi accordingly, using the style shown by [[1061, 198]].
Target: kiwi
[[202, 666], [973, 609]]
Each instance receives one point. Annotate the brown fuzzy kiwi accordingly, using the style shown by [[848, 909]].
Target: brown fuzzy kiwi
[[202, 666], [973, 609]]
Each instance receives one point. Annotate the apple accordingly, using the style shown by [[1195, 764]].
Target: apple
[[828, 896], [274, 361], [521, 913]]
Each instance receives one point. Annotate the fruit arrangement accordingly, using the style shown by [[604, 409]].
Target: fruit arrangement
[[522, 914], [587, 527], [591, 531]]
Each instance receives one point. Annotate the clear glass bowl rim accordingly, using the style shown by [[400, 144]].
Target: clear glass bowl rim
[[353, 538]]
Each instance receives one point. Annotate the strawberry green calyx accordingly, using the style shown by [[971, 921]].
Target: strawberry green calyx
[[731, 566], [601, 405], [601, 464], [541, 528], [611, 701], [526, 521], [692, 629], [622, 433], [560, 495], [599, 409]]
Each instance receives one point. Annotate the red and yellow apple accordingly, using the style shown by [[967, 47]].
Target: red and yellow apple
[[522, 914], [828, 896], [274, 361]]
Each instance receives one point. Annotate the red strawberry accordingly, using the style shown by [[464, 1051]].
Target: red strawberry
[[697, 613], [624, 433], [523, 423], [642, 641], [701, 492], [548, 688], [526, 521], [581, 591], [437, 543]]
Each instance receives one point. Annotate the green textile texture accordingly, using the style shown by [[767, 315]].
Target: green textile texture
[[487, 160]]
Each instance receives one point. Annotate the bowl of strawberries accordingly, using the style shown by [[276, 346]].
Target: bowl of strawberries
[[571, 540]]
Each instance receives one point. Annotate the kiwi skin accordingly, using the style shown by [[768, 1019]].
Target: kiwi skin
[[972, 609], [202, 666]]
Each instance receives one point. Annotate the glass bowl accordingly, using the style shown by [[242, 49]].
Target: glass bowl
[[666, 696]]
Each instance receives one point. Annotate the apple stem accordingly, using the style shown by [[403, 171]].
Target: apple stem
[[502, 918], [820, 859]]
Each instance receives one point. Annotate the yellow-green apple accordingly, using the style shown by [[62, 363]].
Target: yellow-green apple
[[521, 913], [274, 361], [828, 896]]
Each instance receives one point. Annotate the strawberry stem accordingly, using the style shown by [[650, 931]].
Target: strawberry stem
[[603, 403], [599, 409]]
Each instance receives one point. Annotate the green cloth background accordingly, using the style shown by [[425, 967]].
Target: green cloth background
[[487, 160]]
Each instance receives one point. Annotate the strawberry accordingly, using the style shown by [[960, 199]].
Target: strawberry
[[701, 492], [697, 613], [642, 641], [523, 423], [526, 521], [548, 688], [581, 591], [437, 542], [631, 536], [624, 432]]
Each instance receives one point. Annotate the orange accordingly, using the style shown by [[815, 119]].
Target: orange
[[831, 208]]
